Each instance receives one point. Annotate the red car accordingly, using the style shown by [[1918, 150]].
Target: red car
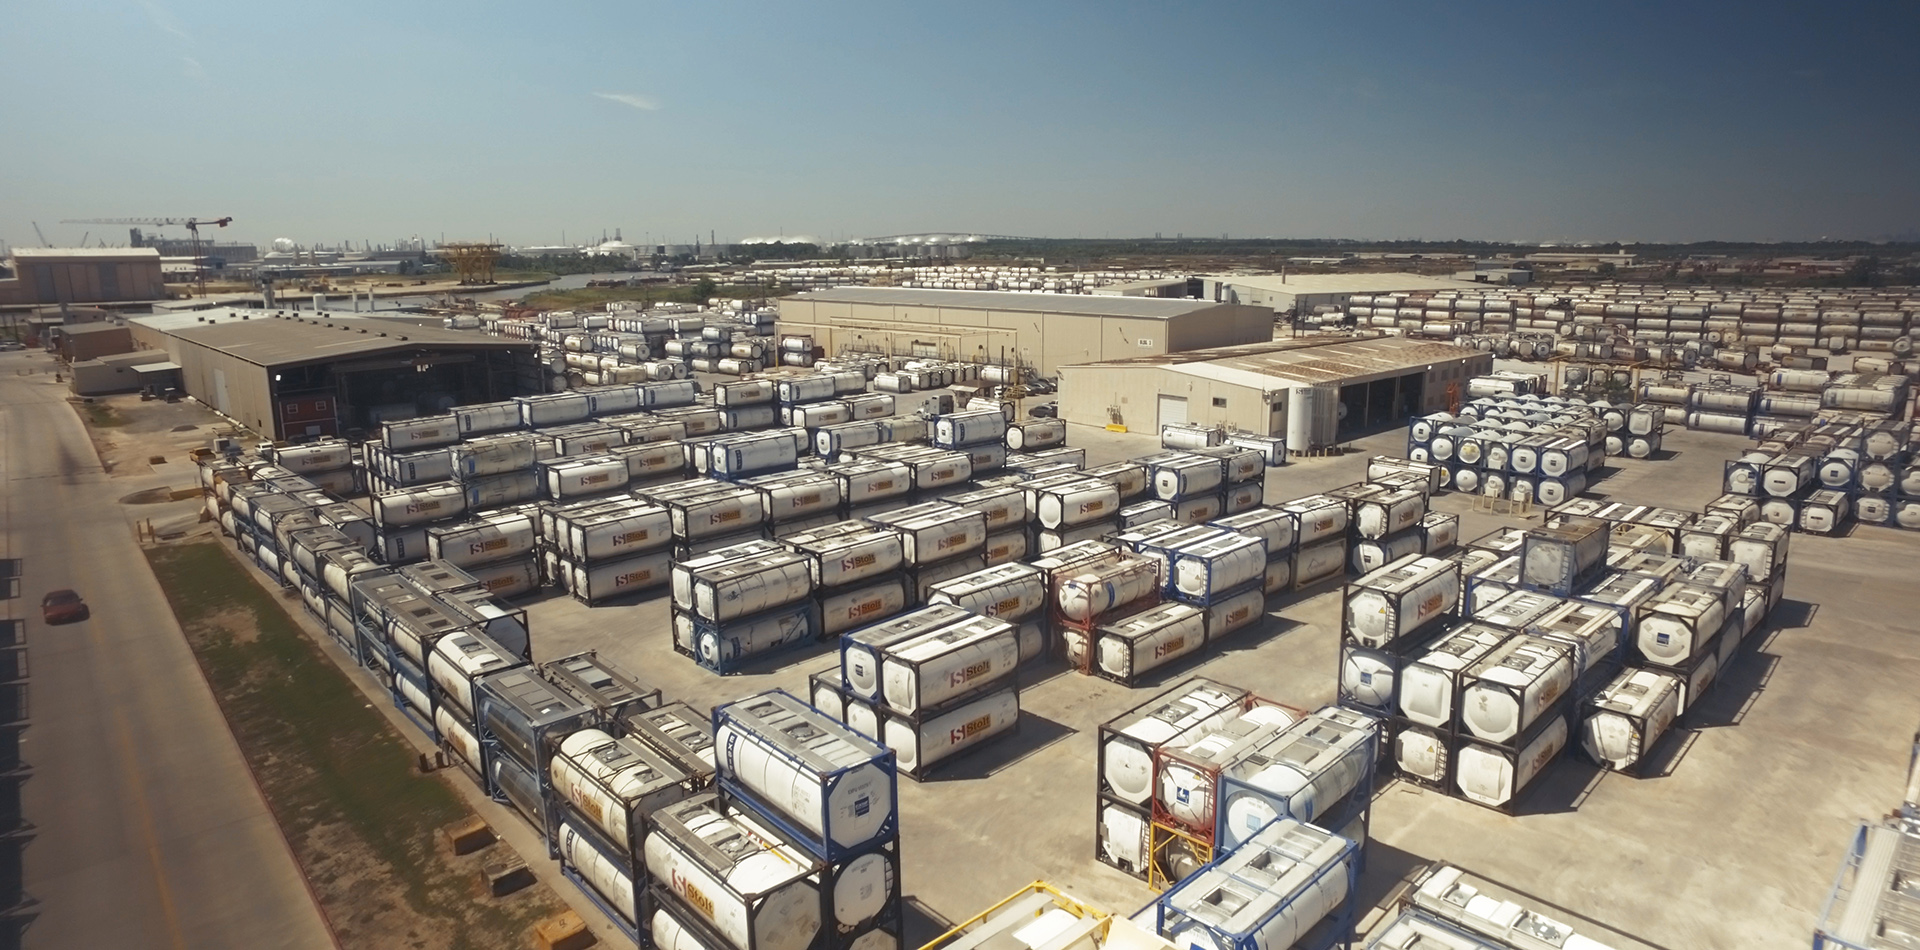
[[64, 606]]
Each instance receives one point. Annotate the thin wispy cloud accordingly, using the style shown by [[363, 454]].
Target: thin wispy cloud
[[645, 103], [163, 18], [192, 68]]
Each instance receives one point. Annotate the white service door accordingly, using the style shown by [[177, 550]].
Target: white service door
[[1173, 410]]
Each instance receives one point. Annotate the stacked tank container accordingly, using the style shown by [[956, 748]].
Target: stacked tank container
[[938, 542], [1542, 449], [1126, 755], [1384, 615], [1106, 607], [612, 548], [1288, 885], [742, 602]]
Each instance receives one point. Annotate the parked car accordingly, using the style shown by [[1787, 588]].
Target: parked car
[[8, 346], [1045, 410], [64, 606]]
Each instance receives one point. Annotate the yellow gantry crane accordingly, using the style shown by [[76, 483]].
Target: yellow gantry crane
[[193, 228]]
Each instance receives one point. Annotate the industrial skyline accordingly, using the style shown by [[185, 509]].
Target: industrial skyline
[[1670, 122]]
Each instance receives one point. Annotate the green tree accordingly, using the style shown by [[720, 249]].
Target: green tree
[[704, 289]]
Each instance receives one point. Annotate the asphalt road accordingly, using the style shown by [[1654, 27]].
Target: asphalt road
[[151, 832]]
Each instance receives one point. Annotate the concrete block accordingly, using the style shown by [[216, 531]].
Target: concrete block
[[468, 835], [565, 932]]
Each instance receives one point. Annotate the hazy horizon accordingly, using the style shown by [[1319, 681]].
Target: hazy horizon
[[1492, 122]]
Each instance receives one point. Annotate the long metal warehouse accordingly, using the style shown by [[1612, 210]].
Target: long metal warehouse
[[319, 373], [1039, 331], [1337, 386]]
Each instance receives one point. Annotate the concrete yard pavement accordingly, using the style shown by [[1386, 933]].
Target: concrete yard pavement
[[151, 832], [1733, 847]]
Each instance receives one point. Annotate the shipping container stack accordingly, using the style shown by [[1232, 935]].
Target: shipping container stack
[[1819, 475], [978, 434], [1544, 449], [1385, 615], [328, 463], [707, 514], [602, 549], [742, 602], [1072, 506], [500, 549], [930, 683], [938, 541], [1125, 766], [1105, 601]]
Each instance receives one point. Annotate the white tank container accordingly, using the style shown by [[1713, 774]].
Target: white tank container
[[618, 534], [460, 658], [1189, 766], [1101, 587], [487, 418], [1627, 718], [741, 587], [615, 783], [1383, 515], [1129, 477], [1271, 525], [1305, 873], [1149, 639], [1394, 601], [1677, 624], [946, 663], [748, 636], [1037, 434], [423, 433], [933, 533], [1010, 592], [1235, 611], [1431, 681], [1298, 774], [1514, 686], [1213, 566], [1518, 610], [1318, 518], [1185, 476], [494, 455], [1494, 777], [755, 890], [1313, 563], [1078, 503], [746, 454], [1279, 575], [495, 538], [827, 779], [861, 604], [922, 744], [970, 427], [569, 478], [419, 505], [849, 553]]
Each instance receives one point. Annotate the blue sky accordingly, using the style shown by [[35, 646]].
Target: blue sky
[[1528, 122]]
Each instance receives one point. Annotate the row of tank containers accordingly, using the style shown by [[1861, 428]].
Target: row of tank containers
[[1820, 475], [764, 824], [1785, 397], [592, 349], [1595, 631], [1533, 448]]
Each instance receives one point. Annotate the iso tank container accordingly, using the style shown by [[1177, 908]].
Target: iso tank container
[[1762, 549], [1189, 767], [1662, 568], [940, 665], [1075, 503], [418, 506], [1237, 464], [1424, 755], [1496, 777], [862, 650], [757, 889], [737, 587], [595, 581], [1560, 558], [847, 553], [935, 532], [1400, 599], [551, 409], [860, 604], [745, 418], [618, 534], [1204, 570], [679, 732], [664, 394], [1271, 525], [1825, 512], [600, 684], [1318, 518], [487, 418], [1625, 720], [1006, 547], [1728, 578], [803, 389], [580, 476], [1591, 631], [1122, 837], [491, 539], [1240, 498], [525, 717], [723, 647], [1412, 930], [1313, 563], [1382, 515], [751, 453], [1129, 478], [1004, 507], [458, 661], [1518, 610], [1302, 773], [1272, 449], [1235, 610], [746, 392], [1369, 556], [615, 783], [1185, 476], [1154, 637], [1369, 678], [1676, 624], [969, 427], [1269, 892], [869, 482], [1432, 679], [410, 435], [1099, 586], [923, 740], [1010, 592], [866, 406], [1036, 434], [1128, 742], [821, 782], [792, 495], [644, 428], [1516, 685], [711, 513]]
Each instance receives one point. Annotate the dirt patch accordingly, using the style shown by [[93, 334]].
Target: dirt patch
[[361, 819]]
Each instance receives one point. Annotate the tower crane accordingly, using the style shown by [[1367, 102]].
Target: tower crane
[[191, 224]]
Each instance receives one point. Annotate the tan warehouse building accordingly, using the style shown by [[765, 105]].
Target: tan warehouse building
[[53, 275], [1332, 388], [1040, 331]]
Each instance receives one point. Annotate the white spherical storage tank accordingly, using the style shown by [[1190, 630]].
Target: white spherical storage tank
[[920, 744], [1495, 777], [757, 893], [1627, 717], [1514, 686], [835, 784], [1299, 774], [942, 665], [1149, 639], [615, 783]]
